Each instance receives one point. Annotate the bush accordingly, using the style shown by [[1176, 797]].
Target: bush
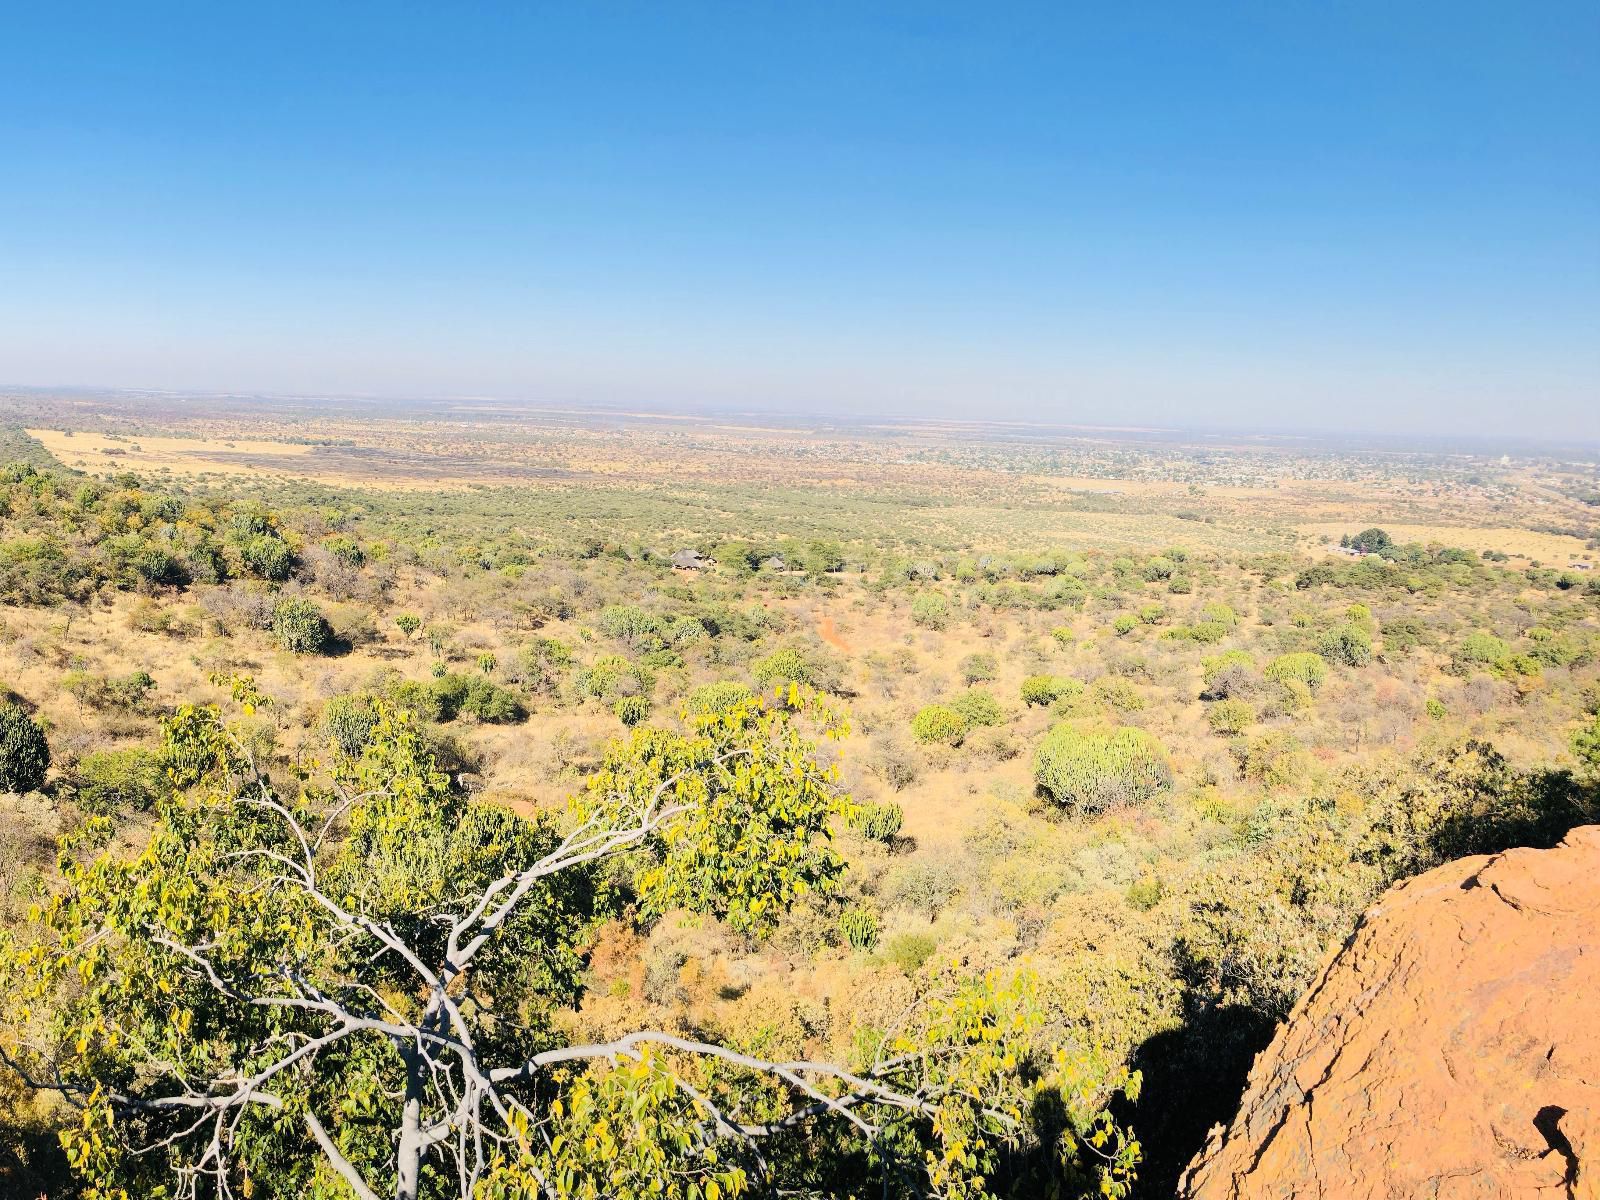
[[298, 626], [892, 761], [628, 622], [978, 668], [931, 610], [859, 927], [631, 710], [717, 697], [938, 723], [1301, 667], [111, 781], [24, 752], [908, 951], [879, 822], [1349, 644], [977, 707], [1125, 624], [1047, 689], [782, 666], [1231, 716], [1482, 649], [1090, 773], [1227, 674], [267, 556], [348, 721]]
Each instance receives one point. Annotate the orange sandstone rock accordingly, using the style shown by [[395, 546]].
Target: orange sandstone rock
[[1450, 1050]]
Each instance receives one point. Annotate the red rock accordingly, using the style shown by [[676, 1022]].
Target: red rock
[[1450, 1050]]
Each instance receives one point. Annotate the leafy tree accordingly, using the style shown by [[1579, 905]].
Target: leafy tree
[[1092, 772], [310, 992], [1368, 541], [931, 610], [24, 751]]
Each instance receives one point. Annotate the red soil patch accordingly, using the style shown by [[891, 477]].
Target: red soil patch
[[828, 631]]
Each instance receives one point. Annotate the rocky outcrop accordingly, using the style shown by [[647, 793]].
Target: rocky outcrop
[[1450, 1050]]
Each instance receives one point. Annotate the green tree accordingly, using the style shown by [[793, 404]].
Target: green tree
[[356, 989]]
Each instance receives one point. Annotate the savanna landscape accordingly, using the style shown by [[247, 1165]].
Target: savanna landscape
[[452, 799]]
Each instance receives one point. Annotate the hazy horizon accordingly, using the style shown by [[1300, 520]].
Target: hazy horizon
[[1380, 221]]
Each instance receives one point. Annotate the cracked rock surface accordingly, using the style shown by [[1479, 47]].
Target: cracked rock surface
[[1450, 1050]]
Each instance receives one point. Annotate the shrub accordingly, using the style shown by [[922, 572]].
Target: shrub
[[938, 723], [267, 556], [1349, 644], [348, 721], [408, 624], [24, 752], [931, 610], [1482, 649], [112, 781], [1090, 773], [977, 707], [782, 666], [1231, 716], [978, 668], [1047, 689], [879, 822], [1125, 624], [1275, 759], [631, 710], [859, 927], [908, 951], [717, 697], [1403, 635], [628, 622], [298, 626], [1118, 694], [490, 703], [1227, 674], [1300, 667], [892, 761], [609, 675]]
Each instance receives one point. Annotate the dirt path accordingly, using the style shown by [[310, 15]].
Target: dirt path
[[828, 631]]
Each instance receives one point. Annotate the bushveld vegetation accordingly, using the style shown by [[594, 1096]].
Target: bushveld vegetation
[[360, 848]]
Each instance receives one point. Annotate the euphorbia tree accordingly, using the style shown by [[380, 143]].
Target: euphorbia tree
[[353, 990]]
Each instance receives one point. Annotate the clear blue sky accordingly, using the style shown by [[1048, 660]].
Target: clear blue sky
[[1379, 216]]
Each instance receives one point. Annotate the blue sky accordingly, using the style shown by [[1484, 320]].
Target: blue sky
[[1376, 216]]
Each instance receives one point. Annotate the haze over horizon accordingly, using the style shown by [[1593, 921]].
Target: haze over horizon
[[1370, 219]]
